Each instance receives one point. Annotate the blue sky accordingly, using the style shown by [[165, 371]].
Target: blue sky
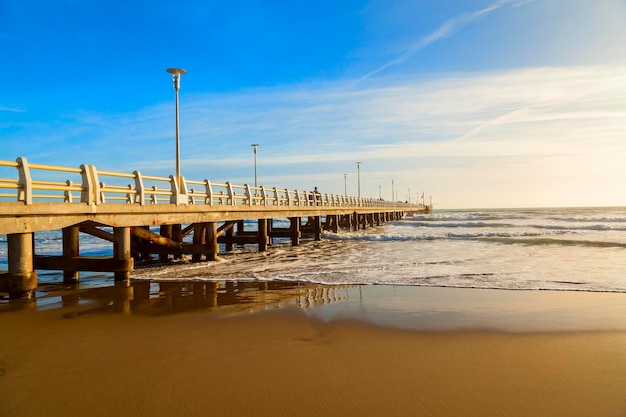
[[495, 103]]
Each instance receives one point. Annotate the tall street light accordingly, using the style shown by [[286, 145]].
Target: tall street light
[[345, 185], [176, 73], [358, 169], [255, 146]]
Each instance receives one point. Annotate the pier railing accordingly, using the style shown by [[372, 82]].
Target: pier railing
[[88, 185]]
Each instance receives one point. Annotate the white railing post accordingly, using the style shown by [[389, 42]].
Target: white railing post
[[25, 182], [130, 195], [67, 195], [90, 193], [173, 190], [231, 193], [139, 187], [248, 194], [263, 196], [183, 198], [101, 197], [179, 191], [276, 201], [154, 197], [288, 195], [209, 193]]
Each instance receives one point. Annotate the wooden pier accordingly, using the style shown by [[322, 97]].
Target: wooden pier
[[193, 218]]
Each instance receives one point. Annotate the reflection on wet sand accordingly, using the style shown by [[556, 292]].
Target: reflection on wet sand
[[163, 298]]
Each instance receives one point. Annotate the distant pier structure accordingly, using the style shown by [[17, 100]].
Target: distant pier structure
[[193, 218]]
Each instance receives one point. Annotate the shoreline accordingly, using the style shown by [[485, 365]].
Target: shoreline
[[340, 354], [416, 308]]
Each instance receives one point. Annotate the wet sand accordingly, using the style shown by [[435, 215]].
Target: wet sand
[[292, 361]]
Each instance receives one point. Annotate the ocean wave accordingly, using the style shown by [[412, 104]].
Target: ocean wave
[[463, 225], [589, 219], [509, 237], [543, 241], [493, 281], [494, 235], [458, 218], [599, 227], [593, 227]]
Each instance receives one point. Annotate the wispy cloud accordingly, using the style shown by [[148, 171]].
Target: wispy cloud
[[13, 109], [447, 29]]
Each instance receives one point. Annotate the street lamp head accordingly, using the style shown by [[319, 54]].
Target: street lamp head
[[176, 73]]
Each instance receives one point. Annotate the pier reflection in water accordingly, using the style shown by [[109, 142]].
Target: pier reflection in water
[[149, 298]]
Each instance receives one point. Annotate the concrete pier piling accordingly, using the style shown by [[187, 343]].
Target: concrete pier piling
[[70, 250], [121, 251], [21, 276]]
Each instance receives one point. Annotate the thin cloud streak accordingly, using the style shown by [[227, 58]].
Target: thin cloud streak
[[13, 109], [449, 28]]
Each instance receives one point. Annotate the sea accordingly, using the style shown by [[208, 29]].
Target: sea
[[567, 249]]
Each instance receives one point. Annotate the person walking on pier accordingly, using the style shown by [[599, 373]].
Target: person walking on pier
[[317, 196]]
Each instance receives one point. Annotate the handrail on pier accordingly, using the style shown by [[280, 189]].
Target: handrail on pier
[[88, 183]]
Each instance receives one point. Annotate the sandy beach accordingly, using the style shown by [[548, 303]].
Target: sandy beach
[[292, 361]]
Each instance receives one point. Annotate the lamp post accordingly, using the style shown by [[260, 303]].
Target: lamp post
[[255, 146], [380, 193], [358, 169], [176, 73], [345, 185], [392, 192]]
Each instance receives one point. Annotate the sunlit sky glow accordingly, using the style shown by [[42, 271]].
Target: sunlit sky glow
[[509, 103]]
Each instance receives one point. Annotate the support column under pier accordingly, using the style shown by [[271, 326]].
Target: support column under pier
[[270, 227], [240, 230], [263, 237], [21, 279], [295, 230], [121, 250], [346, 222], [165, 231], [210, 230], [177, 235], [230, 246], [199, 238], [70, 250], [331, 223], [317, 224]]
